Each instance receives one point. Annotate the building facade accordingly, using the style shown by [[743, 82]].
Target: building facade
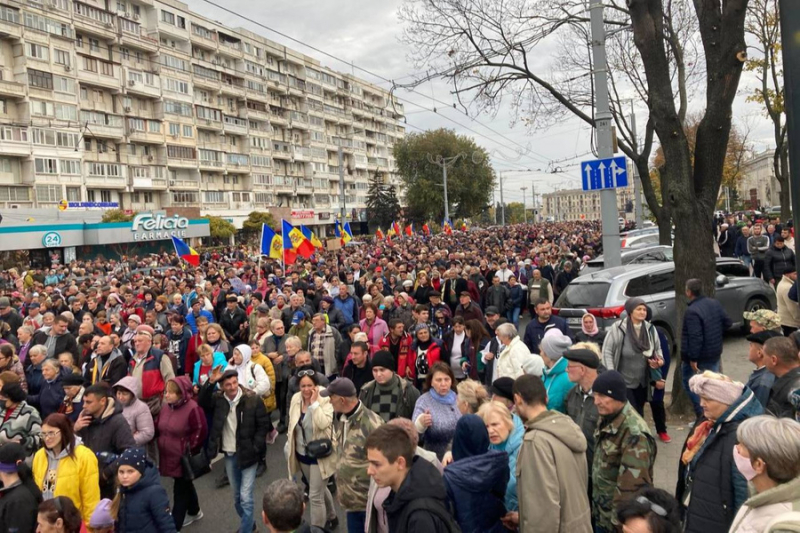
[[576, 204], [146, 104], [758, 183]]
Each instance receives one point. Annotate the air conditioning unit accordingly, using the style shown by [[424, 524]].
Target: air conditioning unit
[[149, 157], [171, 183], [67, 68], [127, 109], [131, 83], [13, 206], [136, 16]]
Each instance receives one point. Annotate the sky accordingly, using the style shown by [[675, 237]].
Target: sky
[[365, 34]]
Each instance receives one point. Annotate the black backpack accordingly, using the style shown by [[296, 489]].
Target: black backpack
[[433, 506]]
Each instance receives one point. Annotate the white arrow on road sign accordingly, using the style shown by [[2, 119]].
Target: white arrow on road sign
[[616, 171], [588, 184]]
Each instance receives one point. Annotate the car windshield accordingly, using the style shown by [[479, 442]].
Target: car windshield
[[583, 295], [668, 254]]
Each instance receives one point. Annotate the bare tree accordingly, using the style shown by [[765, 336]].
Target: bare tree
[[495, 49], [763, 30]]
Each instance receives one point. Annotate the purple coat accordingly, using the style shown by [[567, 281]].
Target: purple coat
[[180, 425]]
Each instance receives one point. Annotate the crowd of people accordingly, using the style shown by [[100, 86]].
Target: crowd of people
[[410, 396]]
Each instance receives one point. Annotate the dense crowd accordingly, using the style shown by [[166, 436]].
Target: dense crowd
[[409, 395]]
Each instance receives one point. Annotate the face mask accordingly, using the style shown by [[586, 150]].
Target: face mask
[[743, 464]]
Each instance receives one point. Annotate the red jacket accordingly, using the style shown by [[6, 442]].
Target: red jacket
[[434, 355], [180, 426], [402, 353]]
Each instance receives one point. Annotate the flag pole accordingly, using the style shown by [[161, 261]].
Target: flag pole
[[283, 250]]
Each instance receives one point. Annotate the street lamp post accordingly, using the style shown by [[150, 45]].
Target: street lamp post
[[524, 211]]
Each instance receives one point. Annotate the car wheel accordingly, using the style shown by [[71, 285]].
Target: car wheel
[[753, 304]]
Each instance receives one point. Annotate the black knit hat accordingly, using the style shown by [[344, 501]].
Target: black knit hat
[[611, 384], [384, 359]]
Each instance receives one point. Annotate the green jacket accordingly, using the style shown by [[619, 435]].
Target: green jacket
[[350, 435], [625, 453]]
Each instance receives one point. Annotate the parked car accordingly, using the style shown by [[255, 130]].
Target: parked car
[[638, 255], [641, 238], [603, 294]]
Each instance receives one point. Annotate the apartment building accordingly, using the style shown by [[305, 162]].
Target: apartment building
[[577, 204], [759, 187], [144, 103]]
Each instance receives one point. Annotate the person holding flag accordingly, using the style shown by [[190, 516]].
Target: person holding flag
[[398, 230], [344, 234], [426, 229], [186, 252]]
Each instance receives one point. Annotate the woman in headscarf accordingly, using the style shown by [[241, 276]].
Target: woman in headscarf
[[251, 376], [589, 331], [477, 478], [632, 348], [710, 486]]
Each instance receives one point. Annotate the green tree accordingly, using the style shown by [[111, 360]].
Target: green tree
[[251, 227], [117, 215], [382, 204], [221, 229], [470, 179]]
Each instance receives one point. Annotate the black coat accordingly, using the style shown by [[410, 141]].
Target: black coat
[[18, 509], [704, 325], [779, 403], [65, 343], [423, 489], [144, 507], [50, 397], [251, 429], [115, 371], [776, 262], [231, 322]]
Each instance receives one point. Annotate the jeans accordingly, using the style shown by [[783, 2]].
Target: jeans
[[184, 500], [513, 316], [356, 521], [687, 372], [243, 483], [637, 398], [747, 260], [320, 500]]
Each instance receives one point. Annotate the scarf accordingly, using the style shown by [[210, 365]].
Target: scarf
[[447, 399], [696, 441], [594, 330], [640, 342]]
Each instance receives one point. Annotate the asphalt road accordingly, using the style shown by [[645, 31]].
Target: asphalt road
[[217, 504]]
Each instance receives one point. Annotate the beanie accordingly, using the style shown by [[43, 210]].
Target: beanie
[[554, 344], [716, 387], [101, 516], [611, 384], [133, 457], [383, 358]]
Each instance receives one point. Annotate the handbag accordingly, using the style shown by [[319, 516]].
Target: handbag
[[194, 465], [319, 448]]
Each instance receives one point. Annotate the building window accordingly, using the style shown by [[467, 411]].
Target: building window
[[167, 17], [90, 64], [73, 194], [174, 129], [154, 126], [188, 131], [5, 165], [37, 51], [105, 196], [46, 166], [215, 197], [62, 57], [70, 167], [63, 85], [48, 193]]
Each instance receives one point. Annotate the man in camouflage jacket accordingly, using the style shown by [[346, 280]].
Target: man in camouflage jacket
[[625, 451], [352, 426]]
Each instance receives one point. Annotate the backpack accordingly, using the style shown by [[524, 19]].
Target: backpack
[[421, 365], [432, 506]]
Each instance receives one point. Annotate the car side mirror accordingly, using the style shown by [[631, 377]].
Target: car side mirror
[[721, 280]]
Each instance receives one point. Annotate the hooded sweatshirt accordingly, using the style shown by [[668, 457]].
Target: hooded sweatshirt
[[137, 413], [251, 376], [423, 488], [552, 476], [181, 425]]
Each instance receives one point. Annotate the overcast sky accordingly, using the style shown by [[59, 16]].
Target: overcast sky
[[366, 32]]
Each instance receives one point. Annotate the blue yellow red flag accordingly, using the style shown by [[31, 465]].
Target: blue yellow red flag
[[186, 252], [271, 242]]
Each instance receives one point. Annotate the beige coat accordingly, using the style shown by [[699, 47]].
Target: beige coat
[[788, 310], [322, 416], [552, 477], [760, 509]]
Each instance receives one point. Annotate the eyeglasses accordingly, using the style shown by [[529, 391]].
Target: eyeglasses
[[50, 434], [660, 511], [304, 373]]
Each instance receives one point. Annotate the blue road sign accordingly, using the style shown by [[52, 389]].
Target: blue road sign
[[604, 173]]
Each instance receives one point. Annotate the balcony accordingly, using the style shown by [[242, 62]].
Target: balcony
[[10, 178], [208, 124], [205, 82], [9, 23], [148, 183], [258, 114], [232, 89], [143, 84], [90, 26], [108, 81], [234, 125], [281, 150], [237, 163], [14, 141], [302, 153], [278, 117], [176, 162], [184, 184], [298, 120], [211, 164], [108, 128], [146, 136], [106, 182], [140, 41], [11, 88]]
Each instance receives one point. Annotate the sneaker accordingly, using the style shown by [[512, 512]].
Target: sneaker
[[192, 518], [271, 436], [665, 437]]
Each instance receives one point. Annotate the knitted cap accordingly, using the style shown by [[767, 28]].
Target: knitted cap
[[717, 387]]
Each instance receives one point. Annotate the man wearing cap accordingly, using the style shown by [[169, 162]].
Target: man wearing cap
[[788, 309], [436, 304], [762, 320], [582, 366], [234, 321], [776, 260], [18, 502], [352, 425], [196, 310], [625, 451], [238, 431], [300, 328], [323, 342], [761, 379], [468, 309], [551, 468], [9, 315], [388, 395], [34, 318], [150, 366]]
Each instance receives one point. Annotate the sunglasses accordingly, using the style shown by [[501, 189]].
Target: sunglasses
[[304, 373]]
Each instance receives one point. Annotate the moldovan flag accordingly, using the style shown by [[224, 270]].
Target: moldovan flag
[[294, 243], [447, 227], [426, 229], [308, 234], [463, 226], [410, 230], [347, 235], [271, 243], [379, 234], [397, 229], [186, 252]]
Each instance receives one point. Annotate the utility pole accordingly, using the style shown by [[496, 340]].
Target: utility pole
[[608, 197], [502, 203], [637, 184], [342, 202], [494, 208], [790, 31], [444, 162], [533, 197], [524, 212]]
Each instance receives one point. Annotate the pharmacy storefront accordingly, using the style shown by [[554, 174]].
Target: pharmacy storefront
[[57, 244]]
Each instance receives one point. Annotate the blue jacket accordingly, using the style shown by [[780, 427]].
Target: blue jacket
[[658, 394], [704, 324], [741, 247], [348, 307], [145, 506], [760, 382], [192, 321], [535, 330], [516, 296], [512, 446], [557, 385], [50, 397], [219, 359], [476, 487]]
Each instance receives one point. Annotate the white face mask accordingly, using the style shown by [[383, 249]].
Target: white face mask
[[743, 464]]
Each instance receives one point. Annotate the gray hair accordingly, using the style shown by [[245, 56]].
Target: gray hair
[[27, 329], [294, 340], [39, 349], [507, 331], [776, 441], [283, 505], [52, 363]]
